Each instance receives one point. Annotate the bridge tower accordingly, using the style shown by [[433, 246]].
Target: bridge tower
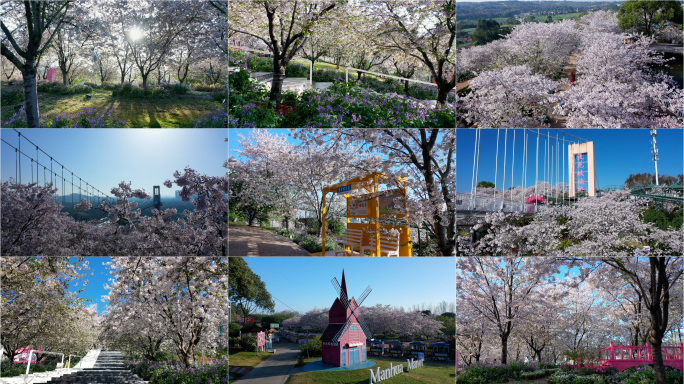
[[654, 152], [156, 197], [575, 171]]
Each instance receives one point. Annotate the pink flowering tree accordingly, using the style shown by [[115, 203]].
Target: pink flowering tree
[[183, 298], [505, 291], [511, 97], [425, 157], [654, 279], [37, 304]]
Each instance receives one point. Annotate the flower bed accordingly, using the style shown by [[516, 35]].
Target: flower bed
[[212, 120], [177, 373], [83, 118], [636, 375]]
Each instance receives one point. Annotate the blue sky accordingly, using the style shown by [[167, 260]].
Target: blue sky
[[105, 157], [95, 288], [303, 284], [618, 153]]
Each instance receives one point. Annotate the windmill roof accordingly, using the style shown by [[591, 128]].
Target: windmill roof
[[330, 331]]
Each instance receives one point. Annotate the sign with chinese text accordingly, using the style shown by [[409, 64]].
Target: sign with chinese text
[[580, 172], [343, 189], [358, 207]]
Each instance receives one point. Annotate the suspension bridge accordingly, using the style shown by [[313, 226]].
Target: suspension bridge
[[54, 174], [561, 166]]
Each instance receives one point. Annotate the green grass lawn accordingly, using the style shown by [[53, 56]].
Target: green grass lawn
[[176, 112], [430, 373], [242, 358]]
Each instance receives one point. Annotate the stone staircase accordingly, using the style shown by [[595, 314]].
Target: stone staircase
[[108, 369]]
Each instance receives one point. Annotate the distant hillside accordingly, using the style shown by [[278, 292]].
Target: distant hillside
[[495, 9]]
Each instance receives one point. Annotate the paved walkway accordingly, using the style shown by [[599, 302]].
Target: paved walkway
[[275, 369], [558, 121], [253, 241]]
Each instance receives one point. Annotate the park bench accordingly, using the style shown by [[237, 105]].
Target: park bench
[[352, 239], [389, 245]]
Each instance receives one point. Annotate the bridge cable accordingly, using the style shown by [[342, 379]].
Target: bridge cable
[[477, 168], [19, 158], [513, 166], [496, 162], [524, 181], [472, 182], [536, 173], [503, 188]]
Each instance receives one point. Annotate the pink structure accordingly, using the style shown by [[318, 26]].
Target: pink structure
[[623, 357], [261, 341], [51, 74], [344, 340], [22, 355], [456, 360]]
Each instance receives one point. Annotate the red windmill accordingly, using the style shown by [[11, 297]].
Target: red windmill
[[344, 340]]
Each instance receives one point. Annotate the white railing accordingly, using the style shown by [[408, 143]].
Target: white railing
[[269, 53], [29, 361], [69, 360], [346, 70]]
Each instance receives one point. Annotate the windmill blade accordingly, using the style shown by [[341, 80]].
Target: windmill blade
[[365, 294], [339, 333], [336, 285], [365, 328], [344, 299]]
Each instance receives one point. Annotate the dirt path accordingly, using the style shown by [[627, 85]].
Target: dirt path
[[254, 241], [558, 121]]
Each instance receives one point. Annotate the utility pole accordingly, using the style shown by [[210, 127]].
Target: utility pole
[[654, 152]]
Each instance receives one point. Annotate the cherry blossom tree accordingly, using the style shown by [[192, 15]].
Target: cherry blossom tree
[[36, 24], [425, 157], [509, 97], [504, 290], [283, 25], [185, 298], [425, 30], [655, 278], [37, 304]]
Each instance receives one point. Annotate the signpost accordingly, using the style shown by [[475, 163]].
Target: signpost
[[343, 189]]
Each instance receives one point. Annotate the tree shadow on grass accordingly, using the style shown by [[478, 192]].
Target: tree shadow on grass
[[153, 121]]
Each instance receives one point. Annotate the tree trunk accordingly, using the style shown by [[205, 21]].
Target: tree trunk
[[442, 93], [64, 75], [504, 349], [31, 94], [144, 79], [406, 86], [189, 356], [658, 365], [287, 223], [123, 77], [277, 83]]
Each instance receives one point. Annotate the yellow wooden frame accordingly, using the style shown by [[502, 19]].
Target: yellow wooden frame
[[370, 184]]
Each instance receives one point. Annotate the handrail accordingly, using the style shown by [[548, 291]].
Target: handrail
[[29, 361], [69, 360]]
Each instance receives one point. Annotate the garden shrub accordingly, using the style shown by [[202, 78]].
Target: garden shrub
[[212, 120], [110, 86], [12, 94], [254, 115], [176, 89], [329, 76], [219, 96], [61, 89], [289, 98], [248, 342], [83, 118], [314, 348], [297, 70], [130, 91], [336, 227], [209, 88], [234, 329], [163, 356]]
